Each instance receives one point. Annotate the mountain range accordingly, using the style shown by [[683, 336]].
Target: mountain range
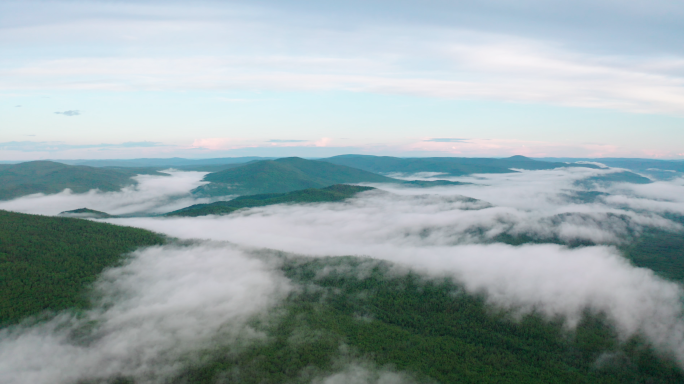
[[249, 176]]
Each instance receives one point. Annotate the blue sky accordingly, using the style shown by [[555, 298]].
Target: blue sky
[[124, 79]]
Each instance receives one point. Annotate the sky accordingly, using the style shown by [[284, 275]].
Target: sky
[[201, 79]]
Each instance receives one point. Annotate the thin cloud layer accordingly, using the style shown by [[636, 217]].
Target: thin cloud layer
[[155, 314], [69, 113], [441, 234], [152, 194], [457, 61]]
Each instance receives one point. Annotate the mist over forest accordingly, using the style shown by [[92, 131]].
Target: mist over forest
[[315, 271]]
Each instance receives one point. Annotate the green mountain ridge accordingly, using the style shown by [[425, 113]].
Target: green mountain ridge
[[51, 177], [454, 166], [334, 193], [283, 175], [47, 263]]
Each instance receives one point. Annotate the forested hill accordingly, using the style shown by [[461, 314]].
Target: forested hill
[[454, 166], [430, 329], [51, 177], [47, 263], [283, 175], [333, 193]]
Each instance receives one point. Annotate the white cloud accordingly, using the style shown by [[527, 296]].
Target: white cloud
[[152, 194], [158, 311], [437, 62]]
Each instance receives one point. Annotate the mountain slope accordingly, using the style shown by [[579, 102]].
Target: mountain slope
[[47, 263], [610, 178], [51, 177], [283, 175], [454, 166], [333, 193], [364, 311]]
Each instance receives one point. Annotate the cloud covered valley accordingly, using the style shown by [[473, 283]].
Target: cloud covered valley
[[521, 247]]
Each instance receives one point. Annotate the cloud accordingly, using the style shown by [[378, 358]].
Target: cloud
[[56, 146], [324, 142], [152, 195], [447, 140], [444, 234], [465, 62], [161, 308], [364, 373], [286, 141], [217, 143], [69, 113]]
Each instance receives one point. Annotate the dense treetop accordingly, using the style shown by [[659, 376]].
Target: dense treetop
[[283, 175], [333, 193], [47, 263]]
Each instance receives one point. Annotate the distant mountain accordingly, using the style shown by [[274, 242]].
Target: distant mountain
[[51, 177], [283, 175], [615, 177], [658, 169], [165, 163], [85, 213], [629, 163], [333, 193], [455, 166]]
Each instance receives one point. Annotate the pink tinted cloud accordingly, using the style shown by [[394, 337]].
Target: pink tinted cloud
[[217, 143]]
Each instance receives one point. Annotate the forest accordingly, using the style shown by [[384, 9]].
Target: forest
[[430, 328], [48, 263], [351, 309], [332, 193]]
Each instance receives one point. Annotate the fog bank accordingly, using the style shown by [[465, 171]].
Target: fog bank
[[153, 315], [152, 194]]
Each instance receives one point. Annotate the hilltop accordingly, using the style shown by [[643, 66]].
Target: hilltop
[[454, 166], [51, 177], [283, 175], [333, 193], [85, 213]]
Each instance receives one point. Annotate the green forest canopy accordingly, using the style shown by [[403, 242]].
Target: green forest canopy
[[47, 263], [429, 328], [332, 193], [283, 175], [454, 166]]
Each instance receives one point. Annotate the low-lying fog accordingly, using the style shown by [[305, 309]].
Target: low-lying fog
[[168, 299], [152, 195]]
